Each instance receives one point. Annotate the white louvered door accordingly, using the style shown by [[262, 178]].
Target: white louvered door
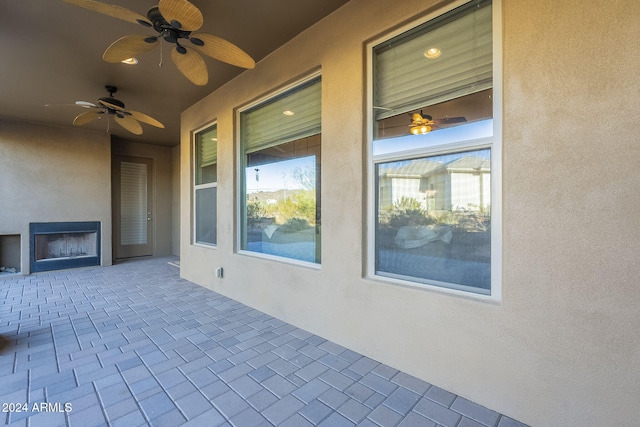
[[133, 213]]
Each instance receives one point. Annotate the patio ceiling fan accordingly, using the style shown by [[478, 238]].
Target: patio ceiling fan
[[112, 107], [174, 21]]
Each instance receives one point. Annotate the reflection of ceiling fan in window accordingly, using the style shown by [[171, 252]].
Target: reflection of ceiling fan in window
[[424, 123], [174, 21]]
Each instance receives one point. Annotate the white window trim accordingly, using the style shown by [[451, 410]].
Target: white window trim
[[239, 182], [195, 187], [496, 162]]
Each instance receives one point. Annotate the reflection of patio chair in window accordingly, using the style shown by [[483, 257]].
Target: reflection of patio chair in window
[[414, 236]]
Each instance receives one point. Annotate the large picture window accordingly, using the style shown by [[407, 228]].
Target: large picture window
[[281, 158], [433, 148], [205, 185]]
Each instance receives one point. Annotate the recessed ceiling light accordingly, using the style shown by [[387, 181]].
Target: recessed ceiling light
[[432, 53], [130, 61], [288, 113]]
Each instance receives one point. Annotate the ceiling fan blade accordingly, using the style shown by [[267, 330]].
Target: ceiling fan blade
[[110, 105], [86, 104], [191, 65], [130, 124], [110, 10], [76, 104], [448, 120], [127, 47], [224, 51], [141, 117], [181, 12], [87, 117]]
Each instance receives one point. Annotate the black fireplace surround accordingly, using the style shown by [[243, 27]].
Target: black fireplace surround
[[61, 245]]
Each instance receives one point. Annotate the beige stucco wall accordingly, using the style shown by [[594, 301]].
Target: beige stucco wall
[[561, 348], [175, 200], [51, 174]]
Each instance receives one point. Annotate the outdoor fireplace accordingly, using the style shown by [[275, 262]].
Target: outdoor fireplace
[[60, 245]]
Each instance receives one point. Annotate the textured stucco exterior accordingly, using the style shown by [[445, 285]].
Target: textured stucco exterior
[[57, 174], [53, 174], [561, 346]]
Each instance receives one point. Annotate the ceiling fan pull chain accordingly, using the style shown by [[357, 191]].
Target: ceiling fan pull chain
[[161, 51]]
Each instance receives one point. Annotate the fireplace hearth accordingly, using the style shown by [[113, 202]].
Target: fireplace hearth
[[61, 245]]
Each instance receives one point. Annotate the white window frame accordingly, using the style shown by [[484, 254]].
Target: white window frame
[[240, 184], [494, 143], [197, 187]]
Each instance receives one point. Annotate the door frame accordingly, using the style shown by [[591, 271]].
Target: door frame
[[132, 251]]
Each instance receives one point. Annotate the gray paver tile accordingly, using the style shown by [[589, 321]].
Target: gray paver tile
[[133, 419], [120, 409], [262, 400], [402, 400], [336, 420], [359, 392], [437, 413], [156, 405], [170, 377], [135, 343], [311, 371], [193, 405], [230, 404], [296, 421], [475, 412], [114, 393], [510, 422], [336, 379], [468, 422], [413, 419], [311, 390], [211, 418], [182, 389], [354, 411], [245, 386], [262, 373], [333, 398], [385, 416], [441, 396], [249, 417], [215, 389], [282, 409], [89, 417], [278, 385], [379, 384], [315, 411]]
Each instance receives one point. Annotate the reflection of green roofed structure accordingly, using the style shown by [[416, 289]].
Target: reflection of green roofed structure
[[459, 184]]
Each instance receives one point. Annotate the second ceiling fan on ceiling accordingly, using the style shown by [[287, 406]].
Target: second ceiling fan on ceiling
[[174, 21]]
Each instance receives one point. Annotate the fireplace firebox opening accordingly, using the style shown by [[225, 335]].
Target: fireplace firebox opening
[[61, 245]]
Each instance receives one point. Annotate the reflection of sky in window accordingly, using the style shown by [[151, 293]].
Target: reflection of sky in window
[[475, 130], [277, 176]]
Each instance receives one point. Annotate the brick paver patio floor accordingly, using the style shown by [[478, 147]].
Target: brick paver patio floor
[[135, 345]]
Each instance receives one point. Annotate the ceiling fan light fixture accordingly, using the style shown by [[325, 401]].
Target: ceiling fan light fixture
[[420, 130], [130, 61], [432, 53]]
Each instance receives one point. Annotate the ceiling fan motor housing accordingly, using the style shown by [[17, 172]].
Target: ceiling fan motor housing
[[171, 32]]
